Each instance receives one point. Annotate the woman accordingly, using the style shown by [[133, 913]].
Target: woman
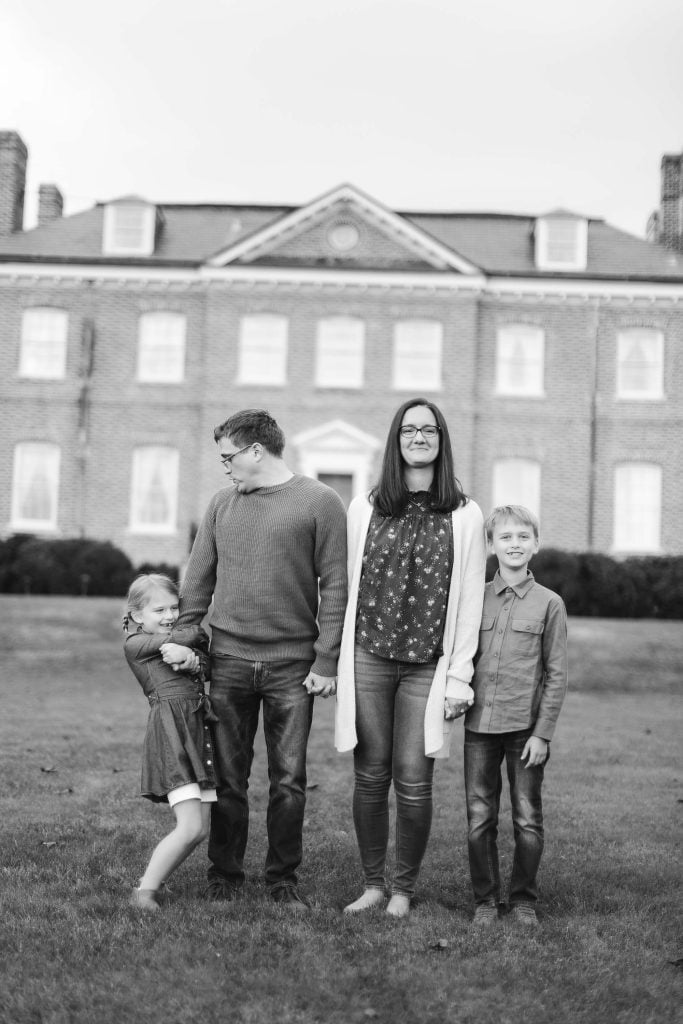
[[416, 587]]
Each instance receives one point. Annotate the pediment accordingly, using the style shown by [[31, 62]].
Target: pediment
[[344, 229], [337, 436]]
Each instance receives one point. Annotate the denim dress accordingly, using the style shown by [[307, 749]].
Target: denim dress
[[178, 746]]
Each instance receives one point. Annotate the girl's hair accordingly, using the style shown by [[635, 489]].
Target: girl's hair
[[139, 590], [390, 494]]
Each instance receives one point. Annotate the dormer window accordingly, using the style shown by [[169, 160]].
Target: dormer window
[[129, 228], [561, 242]]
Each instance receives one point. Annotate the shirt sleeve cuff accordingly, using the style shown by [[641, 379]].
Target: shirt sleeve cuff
[[457, 690]]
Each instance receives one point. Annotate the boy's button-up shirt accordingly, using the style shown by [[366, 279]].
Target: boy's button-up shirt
[[520, 675]]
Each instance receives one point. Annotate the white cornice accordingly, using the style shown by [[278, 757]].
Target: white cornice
[[26, 275]]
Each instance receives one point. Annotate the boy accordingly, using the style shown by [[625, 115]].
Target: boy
[[520, 680]]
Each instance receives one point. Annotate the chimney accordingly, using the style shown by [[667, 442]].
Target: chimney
[[13, 157], [670, 228], [50, 204]]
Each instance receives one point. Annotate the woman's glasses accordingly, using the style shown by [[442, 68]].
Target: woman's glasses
[[410, 431]]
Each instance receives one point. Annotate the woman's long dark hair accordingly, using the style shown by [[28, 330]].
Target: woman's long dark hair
[[390, 494]]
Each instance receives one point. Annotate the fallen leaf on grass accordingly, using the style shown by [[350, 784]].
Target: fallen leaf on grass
[[440, 945], [370, 1012], [49, 843], [67, 790], [677, 963], [52, 768]]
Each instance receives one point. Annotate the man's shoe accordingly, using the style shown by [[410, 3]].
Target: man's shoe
[[524, 915], [222, 890], [289, 896], [485, 916]]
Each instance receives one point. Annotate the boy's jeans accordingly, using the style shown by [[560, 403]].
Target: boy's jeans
[[484, 753], [238, 688], [391, 698]]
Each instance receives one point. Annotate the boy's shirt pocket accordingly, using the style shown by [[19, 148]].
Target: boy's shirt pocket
[[485, 635]]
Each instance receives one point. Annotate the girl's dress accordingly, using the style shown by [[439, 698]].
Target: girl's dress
[[178, 747]]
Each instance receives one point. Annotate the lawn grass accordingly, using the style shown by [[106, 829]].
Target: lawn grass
[[76, 835]]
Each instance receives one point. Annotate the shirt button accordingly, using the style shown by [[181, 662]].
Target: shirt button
[[488, 703]]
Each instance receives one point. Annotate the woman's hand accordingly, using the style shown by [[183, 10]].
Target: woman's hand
[[453, 708]]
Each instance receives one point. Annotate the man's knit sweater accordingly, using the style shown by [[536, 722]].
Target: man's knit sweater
[[274, 561]]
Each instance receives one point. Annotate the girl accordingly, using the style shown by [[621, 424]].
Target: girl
[[177, 755]]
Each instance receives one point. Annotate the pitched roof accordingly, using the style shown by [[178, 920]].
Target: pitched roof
[[498, 244]]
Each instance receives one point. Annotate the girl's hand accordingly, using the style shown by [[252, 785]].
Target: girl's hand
[[179, 657]]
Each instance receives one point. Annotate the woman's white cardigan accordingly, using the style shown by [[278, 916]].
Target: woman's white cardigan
[[461, 631]]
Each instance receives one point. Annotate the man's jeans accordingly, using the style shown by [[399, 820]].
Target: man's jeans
[[484, 753], [391, 698], [238, 688]]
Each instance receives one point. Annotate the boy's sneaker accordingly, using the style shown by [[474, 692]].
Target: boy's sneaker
[[222, 890], [289, 896], [485, 916], [524, 915]]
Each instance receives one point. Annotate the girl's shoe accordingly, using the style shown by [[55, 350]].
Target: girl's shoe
[[145, 899]]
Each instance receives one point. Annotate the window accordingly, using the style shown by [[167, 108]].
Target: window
[[637, 507], [35, 486], [339, 353], [517, 482], [417, 355], [263, 350], [640, 364], [43, 344], [561, 242], [154, 494], [161, 348], [129, 227], [519, 360]]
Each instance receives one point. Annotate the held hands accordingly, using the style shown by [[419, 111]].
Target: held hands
[[320, 686], [536, 750], [180, 658], [455, 708]]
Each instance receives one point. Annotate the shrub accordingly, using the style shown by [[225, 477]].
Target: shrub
[[78, 566]]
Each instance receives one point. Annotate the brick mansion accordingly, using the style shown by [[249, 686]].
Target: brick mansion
[[553, 344]]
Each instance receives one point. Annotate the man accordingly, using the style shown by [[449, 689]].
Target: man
[[271, 552]]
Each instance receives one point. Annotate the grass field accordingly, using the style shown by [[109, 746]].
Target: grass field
[[76, 835]]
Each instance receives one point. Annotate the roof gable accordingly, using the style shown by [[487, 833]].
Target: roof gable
[[344, 229]]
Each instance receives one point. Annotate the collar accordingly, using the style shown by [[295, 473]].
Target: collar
[[520, 589]]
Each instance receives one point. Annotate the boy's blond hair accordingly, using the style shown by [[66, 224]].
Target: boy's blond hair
[[516, 512]]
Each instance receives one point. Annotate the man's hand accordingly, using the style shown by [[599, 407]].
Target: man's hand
[[320, 686], [180, 658], [454, 708], [536, 749]]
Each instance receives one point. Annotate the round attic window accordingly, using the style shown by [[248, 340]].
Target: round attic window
[[343, 237]]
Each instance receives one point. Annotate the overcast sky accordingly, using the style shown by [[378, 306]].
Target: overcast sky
[[489, 105]]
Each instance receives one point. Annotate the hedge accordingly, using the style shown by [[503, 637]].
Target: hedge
[[590, 584], [647, 587]]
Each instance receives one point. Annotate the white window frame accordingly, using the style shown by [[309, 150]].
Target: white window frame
[[417, 354], [161, 347], [168, 466], [532, 366], [43, 349], [262, 352], [637, 520], [119, 237], [338, 447], [654, 388], [339, 352], [518, 490], [37, 452], [554, 233]]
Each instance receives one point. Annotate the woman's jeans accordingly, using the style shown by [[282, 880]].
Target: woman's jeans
[[238, 690], [391, 698], [484, 753]]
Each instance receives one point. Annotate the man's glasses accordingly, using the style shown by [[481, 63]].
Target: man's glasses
[[410, 431], [227, 459]]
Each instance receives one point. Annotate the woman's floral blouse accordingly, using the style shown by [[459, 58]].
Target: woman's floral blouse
[[407, 565]]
